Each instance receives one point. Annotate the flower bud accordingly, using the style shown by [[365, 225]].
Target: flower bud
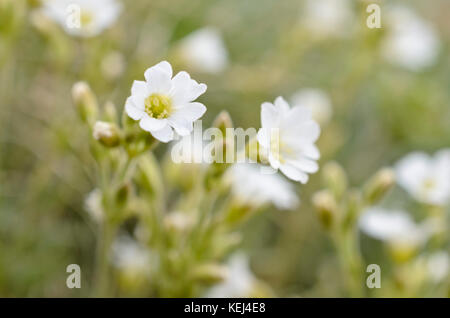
[[210, 273], [378, 186], [335, 178], [326, 207], [223, 121], [107, 134], [178, 222], [85, 102], [110, 112]]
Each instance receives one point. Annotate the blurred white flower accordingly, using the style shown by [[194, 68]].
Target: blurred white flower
[[162, 103], [392, 226], [426, 178], [205, 50], [85, 18], [130, 257], [240, 280], [411, 42], [93, 205], [438, 265], [287, 137], [328, 17], [317, 101], [253, 187]]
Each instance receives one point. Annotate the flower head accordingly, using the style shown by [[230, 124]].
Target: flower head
[[392, 226], [287, 137], [85, 18], [240, 280], [427, 179], [411, 42], [328, 17], [163, 104], [205, 50], [253, 187], [129, 256]]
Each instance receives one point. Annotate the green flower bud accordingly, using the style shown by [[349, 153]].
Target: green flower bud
[[210, 273], [110, 112], [107, 134], [326, 207], [223, 121], [85, 102], [378, 186], [335, 178]]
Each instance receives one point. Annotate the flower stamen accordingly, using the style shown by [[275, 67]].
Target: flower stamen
[[158, 106]]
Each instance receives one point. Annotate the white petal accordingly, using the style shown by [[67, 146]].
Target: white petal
[[274, 163], [139, 88], [311, 151], [133, 111], [182, 126], [263, 137], [191, 111], [303, 164], [293, 173], [158, 78], [163, 135], [281, 103], [307, 131], [185, 89], [297, 115], [151, 124], [269, 115], [166, 67]]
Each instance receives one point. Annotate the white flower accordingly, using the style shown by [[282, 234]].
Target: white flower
[[438, 265], [240, 280], [205, 50], [392, 226], [162, 103], [411, 42], [328, 17], [251, 186], [317, 101], [84, 18], [287, 137], [93, 205], [129, 256], [427, 179]]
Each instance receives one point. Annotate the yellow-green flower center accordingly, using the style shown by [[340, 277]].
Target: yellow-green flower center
[[279, 149], [86, 18], [158, 106], [429, 184]]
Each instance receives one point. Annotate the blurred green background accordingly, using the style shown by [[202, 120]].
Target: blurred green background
[[381, 111]]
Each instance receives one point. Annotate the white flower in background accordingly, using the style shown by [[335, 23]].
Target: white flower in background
[[438, 265], [205, 50], [253, 187], [426, 178], [93, 205], [84, 18], [162, 103], [317, 101], [240, 280], [411, 42], [130, 257], [328, 17], [287, 137], [392, 226]]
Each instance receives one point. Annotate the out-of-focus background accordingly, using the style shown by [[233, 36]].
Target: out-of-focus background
[[377, 93]]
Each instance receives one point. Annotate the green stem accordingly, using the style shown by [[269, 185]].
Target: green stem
[[105, 240]]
